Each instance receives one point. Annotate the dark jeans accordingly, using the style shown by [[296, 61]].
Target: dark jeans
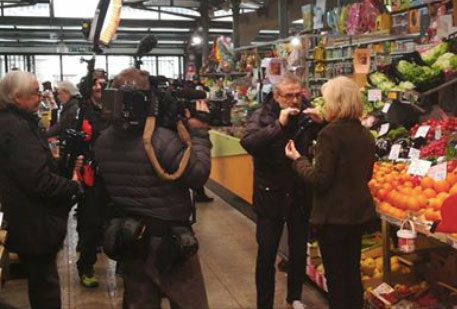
[[43, 281], [91, 215], [268, 235], [341, 246]]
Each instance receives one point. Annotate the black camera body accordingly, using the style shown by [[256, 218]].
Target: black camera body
[[130, 107]]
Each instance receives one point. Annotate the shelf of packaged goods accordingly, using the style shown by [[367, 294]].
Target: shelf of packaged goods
[[223, 74], [378, 40], [424, 4]]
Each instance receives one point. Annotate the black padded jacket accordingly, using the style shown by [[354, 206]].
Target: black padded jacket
[[131, 181]]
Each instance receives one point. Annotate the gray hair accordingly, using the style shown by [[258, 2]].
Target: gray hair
[[68, 87], [287, 78], [13, 83]]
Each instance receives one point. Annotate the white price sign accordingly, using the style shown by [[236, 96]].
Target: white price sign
[[384, 129], [394, 152], [422, 131], [438, 172], [438, 133], [414, 153], [419, 167], [386, 107], [374, 95]]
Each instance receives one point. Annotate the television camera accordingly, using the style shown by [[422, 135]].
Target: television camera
[[166, 100]]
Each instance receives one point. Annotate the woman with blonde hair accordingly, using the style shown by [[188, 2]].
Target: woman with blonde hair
[[342, 202]]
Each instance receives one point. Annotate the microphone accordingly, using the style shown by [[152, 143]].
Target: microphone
[[146, 45], [190, 94]]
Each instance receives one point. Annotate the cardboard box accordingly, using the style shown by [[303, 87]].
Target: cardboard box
[[414, 21], [384, 23], [382, 297]]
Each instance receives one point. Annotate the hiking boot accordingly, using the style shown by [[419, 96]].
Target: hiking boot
[[89, 280]]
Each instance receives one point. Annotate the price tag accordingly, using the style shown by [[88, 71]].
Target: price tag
[[414, 153], [419, 167], [394, 152], [438, 133], [374, 95], [438, 172], [422, 131], [386, 107], [384, 129], [392, 95]]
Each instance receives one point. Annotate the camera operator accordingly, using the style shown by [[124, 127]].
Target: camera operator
[[279, 196], [91, 211], [35, 198], [137, 191]]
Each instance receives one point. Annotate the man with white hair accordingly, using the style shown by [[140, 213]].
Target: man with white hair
[[35, 198], [67, 94]]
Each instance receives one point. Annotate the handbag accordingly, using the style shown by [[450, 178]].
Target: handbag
[[125, 239], [176, 248]]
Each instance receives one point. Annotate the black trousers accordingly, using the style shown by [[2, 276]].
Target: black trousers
[[340, 246], [268, 235], [91, 216], [43, 281], [144, 285]]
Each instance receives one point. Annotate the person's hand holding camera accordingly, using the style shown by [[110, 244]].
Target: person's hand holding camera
[[286, 113], [201, 107]]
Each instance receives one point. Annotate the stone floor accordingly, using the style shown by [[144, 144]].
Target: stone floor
[[227, 254]]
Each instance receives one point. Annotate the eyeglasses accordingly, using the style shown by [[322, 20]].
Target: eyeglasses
[[36, 92], [290, 96]]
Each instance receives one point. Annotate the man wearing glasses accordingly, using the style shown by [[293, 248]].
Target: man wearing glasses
[[279, 196], [35, 198]]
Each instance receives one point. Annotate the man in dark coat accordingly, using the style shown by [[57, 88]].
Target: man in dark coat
[[279, 196], [35, 199], [91, 211], [137, 191], [67, 95]]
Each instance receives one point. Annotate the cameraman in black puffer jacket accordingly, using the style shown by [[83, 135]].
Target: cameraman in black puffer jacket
[[136, 191]]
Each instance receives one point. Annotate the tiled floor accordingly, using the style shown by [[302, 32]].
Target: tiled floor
[[227, 254]]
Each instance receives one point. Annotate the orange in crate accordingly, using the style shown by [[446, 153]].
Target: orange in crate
[[441, 186], [427, 182]]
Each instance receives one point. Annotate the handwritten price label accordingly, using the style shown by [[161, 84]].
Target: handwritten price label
[[438, 172], [414, 153], [384, 129], [419, 167], [422, 131], [394, 152], [386, 107]]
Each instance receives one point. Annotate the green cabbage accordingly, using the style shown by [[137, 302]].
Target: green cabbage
[[431, 55], [415, 73], [448, 61]]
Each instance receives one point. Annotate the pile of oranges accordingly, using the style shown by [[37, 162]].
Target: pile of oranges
[[398, 193]]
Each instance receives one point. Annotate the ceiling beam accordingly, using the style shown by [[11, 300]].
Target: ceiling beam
[[130, 23]]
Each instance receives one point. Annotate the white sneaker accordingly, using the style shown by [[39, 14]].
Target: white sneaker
[[296, 304]]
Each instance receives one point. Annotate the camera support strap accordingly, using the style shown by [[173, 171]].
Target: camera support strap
[[184, 136]]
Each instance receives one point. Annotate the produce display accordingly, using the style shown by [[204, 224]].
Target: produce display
[[431, 55], [417, 74]]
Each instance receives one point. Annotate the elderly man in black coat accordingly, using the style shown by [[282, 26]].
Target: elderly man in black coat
[[279, 196], [35, 199]]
